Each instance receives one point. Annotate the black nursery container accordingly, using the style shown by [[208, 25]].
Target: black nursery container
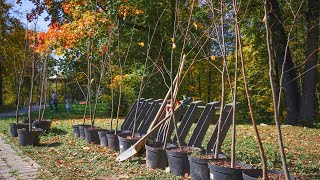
[[199, 167], [226, 173], [113, 141], [76, 131], [29, 137], [44, 124], [103, 137], [178, 161], [13, 128], [255, 174], [92, 136], [81, 130], [125, 143], [156, 158]]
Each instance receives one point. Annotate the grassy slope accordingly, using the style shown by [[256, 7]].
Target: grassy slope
[[69, 158]]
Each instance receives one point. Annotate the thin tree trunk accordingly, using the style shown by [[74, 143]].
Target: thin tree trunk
[[31, 90], [42, 87], [216, 151], [261, 150], [284, 62], [309, 79], [19, 91], [274, 97], [233, 144]]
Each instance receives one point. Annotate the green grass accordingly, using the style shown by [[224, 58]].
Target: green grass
[[68, 158]]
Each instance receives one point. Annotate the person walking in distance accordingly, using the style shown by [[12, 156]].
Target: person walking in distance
[[68, 106], [54, 100]]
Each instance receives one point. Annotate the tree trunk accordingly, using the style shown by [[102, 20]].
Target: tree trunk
[[309, 79], [284, 62]]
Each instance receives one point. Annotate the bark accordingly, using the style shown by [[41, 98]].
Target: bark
[[309, 79], [284, 62]]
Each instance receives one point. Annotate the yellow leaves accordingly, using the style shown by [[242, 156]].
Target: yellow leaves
[[195, 25], [173, 44], [141, 44], [212, 57]]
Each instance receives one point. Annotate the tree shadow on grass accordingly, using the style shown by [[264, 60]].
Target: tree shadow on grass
[[56, 131]]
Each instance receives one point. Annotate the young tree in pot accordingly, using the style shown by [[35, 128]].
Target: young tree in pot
[[40, 123], [13, 127], [30, 136], [257, 173], [225, 169], [178, 156]]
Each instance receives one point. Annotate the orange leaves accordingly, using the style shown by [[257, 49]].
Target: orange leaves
[[126, 10]]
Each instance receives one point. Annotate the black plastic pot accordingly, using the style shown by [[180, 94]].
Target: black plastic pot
[[81, 130], [254, 174], [76, 131], [44, 124], [13, 127], [103, 137], [113, 141], [156, 158], [29, 137], [178, 161], [36, 136], [199, 167], [125, 143], [91, 135], [226, 173]]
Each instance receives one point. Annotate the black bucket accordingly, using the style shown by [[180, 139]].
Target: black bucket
[[125, 143], [254, 174], [226, 173], [91, 135], [29, 137], [199, 167], [13, 128], [103, 137], [44, 124], [113, 141], [81, 130], [36, 136], [156, 157], [76, 131], [178, 162]]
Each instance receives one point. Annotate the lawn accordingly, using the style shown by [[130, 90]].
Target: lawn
[[66, 157]]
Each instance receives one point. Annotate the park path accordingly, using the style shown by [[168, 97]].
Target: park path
[[14, 165], [22, 111]]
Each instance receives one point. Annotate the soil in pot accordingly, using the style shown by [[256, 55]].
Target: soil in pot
[[199, 165], [156, 157], [81, 130], [27, 137], [221, 169], [103, 137], [126, 140], [91, 135], [13, 128], [76, 131], [178, 159], [44, 124], [256, 174]]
